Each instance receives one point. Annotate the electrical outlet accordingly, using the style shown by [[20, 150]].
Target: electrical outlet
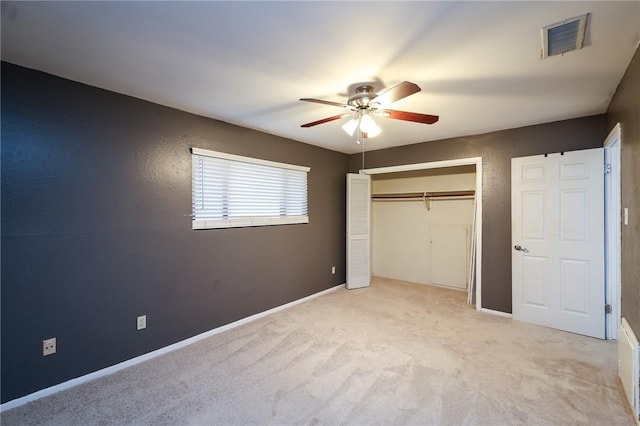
[[142, 322], [333, 270], [49, 346]]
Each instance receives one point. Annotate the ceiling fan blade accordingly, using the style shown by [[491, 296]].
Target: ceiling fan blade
[[411, 116], [397, 92], [325, 120], [320, 101]]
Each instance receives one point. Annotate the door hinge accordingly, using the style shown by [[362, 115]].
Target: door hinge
[[607, 309], [607, 169]]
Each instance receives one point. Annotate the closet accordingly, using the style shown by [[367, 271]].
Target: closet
[[422, 225]]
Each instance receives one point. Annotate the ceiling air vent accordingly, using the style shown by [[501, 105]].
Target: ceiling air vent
[[564, 36]]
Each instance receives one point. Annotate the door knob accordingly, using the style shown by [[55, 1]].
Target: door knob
[[520, 248]]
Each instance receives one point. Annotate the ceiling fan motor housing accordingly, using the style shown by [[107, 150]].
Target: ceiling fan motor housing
[[364, 94]]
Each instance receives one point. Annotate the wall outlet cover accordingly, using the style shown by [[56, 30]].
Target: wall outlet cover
[[49, 346], [141, 322]]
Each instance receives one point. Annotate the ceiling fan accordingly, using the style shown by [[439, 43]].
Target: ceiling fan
[[364, 103]]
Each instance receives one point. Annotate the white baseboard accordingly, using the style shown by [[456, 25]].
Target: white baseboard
[[142, 358], [498, 313]]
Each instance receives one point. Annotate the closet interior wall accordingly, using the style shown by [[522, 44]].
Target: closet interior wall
[[418, 241]]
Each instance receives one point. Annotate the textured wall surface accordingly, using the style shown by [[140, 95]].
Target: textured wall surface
[[625, 109], [496, 150], [96, 189]]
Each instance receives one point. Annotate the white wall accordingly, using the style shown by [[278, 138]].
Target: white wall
[[401, 229]]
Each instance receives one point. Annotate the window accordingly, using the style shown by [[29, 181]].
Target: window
[[231, 191]]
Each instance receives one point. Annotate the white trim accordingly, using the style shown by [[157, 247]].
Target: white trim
[[498, 313], [615, 132], [612, 149], [477, 161], [232, 157], [241, 222], [422, 166], [142, 358]]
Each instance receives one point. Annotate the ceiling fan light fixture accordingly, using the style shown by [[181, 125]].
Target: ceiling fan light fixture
[[364, 102], [350, 126], [368, 126]]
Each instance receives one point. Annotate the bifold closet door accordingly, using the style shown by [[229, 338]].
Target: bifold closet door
[[358, 231]]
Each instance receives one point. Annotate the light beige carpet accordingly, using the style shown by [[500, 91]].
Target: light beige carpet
[[392, 354]]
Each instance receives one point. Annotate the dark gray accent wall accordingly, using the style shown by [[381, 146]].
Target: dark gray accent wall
[[96, 193], [496, 150], [625, 109]]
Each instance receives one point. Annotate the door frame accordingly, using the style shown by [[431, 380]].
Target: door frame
[[477, 161], [612, 206]]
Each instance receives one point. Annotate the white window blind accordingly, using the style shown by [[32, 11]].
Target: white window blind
[[234, 191]]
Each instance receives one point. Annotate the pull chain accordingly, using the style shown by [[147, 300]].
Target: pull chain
[[362, 143]]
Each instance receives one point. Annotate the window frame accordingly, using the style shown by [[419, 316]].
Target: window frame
[[287, 176]]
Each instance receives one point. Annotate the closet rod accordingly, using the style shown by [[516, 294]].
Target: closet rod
[[423, 195]]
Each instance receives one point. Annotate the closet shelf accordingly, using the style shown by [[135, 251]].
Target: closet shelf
[[427, 197], [422, 195]]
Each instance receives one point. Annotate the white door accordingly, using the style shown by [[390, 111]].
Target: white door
[[358, 225], [449, 255], [613, 220], [557, 219]]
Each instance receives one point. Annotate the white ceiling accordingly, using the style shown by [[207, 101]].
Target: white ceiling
[[248, 63]]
